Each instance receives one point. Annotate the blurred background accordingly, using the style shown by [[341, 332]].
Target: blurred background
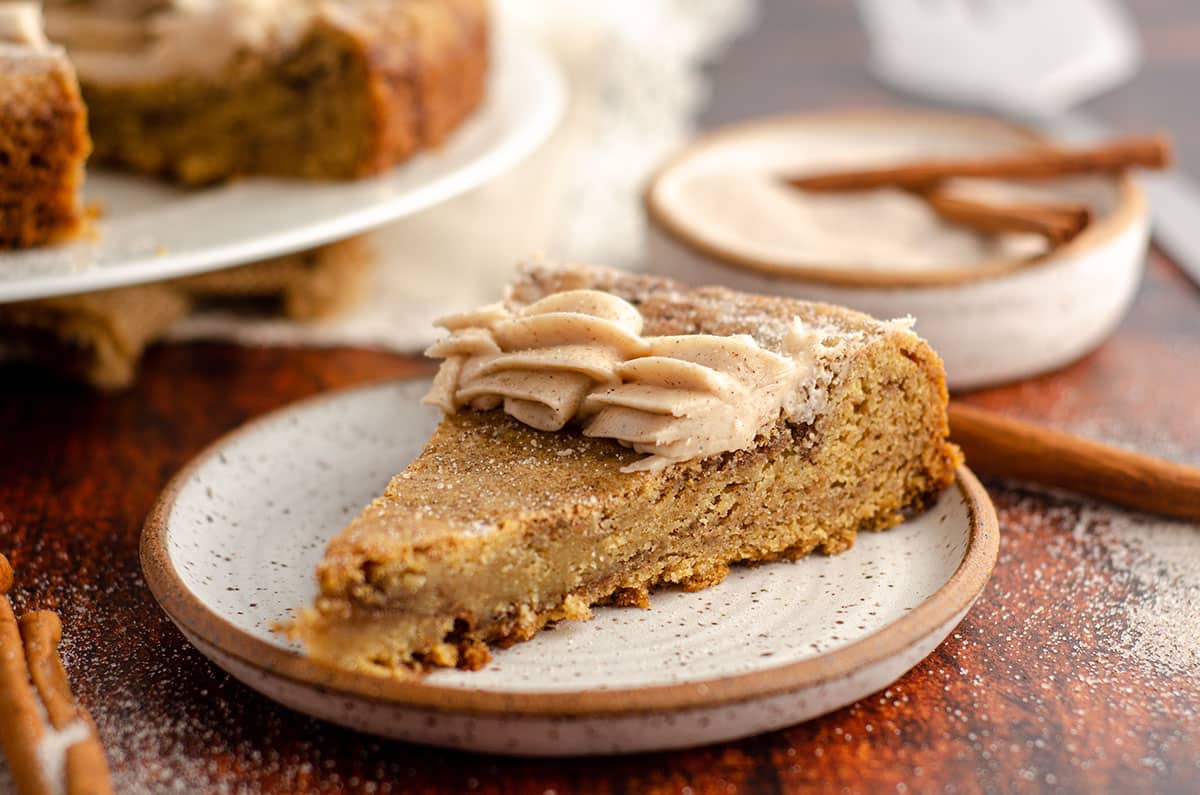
[[817, 53]]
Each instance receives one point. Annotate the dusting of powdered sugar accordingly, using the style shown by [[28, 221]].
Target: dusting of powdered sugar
[[1158, 560], [1078, 668], [1140, 575], [52, 752], [1155, 557]]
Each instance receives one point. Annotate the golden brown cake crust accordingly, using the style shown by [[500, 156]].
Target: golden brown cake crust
[[498, 528], [366, 88], [451, 52], [43, 145]]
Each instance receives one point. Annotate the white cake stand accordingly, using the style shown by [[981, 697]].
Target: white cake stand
[[151, 231]]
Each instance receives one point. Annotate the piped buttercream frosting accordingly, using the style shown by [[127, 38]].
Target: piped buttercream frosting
[[579, 355]]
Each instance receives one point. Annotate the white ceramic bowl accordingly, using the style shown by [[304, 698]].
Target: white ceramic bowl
[[993, 321]]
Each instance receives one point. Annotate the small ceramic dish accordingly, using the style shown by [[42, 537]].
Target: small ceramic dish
[[995, 313], [232, 545]]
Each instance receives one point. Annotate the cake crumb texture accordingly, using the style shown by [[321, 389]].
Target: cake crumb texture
[[364, 89], [43, 146]]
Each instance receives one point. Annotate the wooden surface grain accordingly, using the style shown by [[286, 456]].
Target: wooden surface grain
[[1077, 671]]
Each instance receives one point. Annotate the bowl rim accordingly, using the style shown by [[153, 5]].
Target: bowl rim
[[1130, 207]]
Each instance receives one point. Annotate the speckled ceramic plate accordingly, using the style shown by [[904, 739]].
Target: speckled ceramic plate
[[232, 544], [152, 231]]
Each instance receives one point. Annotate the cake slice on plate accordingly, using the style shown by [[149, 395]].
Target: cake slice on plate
[[607, 433], [43, 134]]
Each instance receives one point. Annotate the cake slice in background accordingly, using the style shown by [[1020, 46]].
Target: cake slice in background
[[99, 338], [43, 134], [773, 428], [207, 90]]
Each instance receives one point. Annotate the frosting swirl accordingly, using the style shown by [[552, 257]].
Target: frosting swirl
[[540, 363], [692, 396], [580, 355]]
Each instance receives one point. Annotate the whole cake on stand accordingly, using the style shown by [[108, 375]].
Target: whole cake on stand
[[204, 90]]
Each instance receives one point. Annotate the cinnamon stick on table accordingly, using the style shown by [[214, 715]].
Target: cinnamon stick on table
[[1145, 151], [85, 768], [21, 729], [998, 445], [1058, 222], [29, 652]]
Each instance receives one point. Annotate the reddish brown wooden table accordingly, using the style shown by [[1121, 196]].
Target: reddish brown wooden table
[[1055, 681]]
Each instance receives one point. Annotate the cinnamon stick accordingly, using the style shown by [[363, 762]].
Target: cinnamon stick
[[998, 445], [1145, 151], [1057, 222], [86, 768], [21, 729], [29, 653]]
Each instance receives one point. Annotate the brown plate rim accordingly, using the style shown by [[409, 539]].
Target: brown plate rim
[[955, 596], [1131, 205]]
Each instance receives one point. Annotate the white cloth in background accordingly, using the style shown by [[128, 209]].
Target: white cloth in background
[[634, 70]]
